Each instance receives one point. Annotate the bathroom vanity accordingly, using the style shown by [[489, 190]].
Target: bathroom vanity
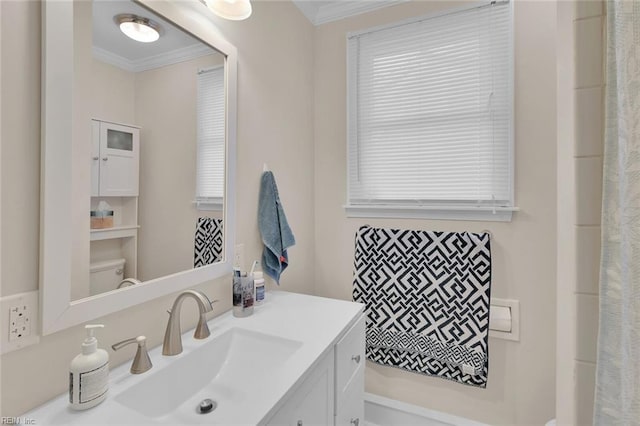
[[298, 360]]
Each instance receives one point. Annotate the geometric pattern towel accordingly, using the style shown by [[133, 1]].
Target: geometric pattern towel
[[426, 297], [208, 242]]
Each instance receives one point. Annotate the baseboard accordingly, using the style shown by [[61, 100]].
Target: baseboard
[[381, 411]]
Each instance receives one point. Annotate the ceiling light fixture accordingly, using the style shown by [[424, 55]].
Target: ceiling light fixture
[[138, 28], [235, 10]]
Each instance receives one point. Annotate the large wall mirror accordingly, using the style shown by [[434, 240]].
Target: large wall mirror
[[138, 155]]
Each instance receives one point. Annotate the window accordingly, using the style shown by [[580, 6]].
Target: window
[[430, 117], [210, 167]]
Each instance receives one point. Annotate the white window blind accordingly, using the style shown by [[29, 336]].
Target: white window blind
[[430, 112], [211, 138]]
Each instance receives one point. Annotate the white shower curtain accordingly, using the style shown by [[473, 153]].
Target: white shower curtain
[[617, 399]]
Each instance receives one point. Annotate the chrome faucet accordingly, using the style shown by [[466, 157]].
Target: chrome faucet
[[172, 337], [141, 362]]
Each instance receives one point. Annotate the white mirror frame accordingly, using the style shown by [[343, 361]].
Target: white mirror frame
[[57, 309]]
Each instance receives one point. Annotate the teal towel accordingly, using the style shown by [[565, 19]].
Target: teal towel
[[274, 228]]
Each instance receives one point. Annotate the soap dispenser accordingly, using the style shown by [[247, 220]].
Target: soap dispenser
[[89, 373]]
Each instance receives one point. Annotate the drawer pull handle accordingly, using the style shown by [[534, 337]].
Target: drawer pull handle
[[355, 422], [299, 423], [356, 358]]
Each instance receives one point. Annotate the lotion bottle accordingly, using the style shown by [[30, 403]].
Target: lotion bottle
[[260, 289], [89, 373]]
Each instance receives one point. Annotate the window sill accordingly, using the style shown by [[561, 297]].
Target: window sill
[[484, 213], [209, 205]]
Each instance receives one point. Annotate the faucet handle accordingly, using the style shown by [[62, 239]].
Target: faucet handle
[[141, 362], [202, 329]]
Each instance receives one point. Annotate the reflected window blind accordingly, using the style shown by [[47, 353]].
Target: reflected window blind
[[430, 111], [211, 135]]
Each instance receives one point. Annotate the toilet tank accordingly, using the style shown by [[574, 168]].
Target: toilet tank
[[105, 275]]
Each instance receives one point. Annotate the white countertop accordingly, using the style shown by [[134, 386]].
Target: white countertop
[[316, 322]]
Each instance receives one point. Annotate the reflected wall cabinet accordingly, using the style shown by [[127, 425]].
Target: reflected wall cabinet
[[115, 159], [115, 169]]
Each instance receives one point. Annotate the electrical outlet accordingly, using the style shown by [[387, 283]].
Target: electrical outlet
[[19, 322], [238, 257], [20, 319]]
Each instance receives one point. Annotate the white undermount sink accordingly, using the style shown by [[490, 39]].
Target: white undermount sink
[[222, 370]]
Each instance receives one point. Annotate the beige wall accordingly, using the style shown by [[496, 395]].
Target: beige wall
[[166, 110], [112, 93], [521, 384], [275, 124], [20, 99]]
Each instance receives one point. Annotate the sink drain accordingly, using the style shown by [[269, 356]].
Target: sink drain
[[206, 406]]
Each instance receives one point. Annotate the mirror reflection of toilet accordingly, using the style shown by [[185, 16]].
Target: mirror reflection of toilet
[[105, 275]]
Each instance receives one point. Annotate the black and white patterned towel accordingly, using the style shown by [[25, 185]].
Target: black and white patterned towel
[[208, 241], [427, 297]]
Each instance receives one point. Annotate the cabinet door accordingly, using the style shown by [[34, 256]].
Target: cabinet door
[[351, 411], [315, 408], [119, 160], [95, 158], [312, 402], [350, 363]]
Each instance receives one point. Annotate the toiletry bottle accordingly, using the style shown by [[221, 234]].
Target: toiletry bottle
[[242, 294], [247, 294], [258, 282], [89, 373], [237, 293]]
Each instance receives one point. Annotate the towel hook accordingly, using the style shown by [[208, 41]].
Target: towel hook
[[486, 231], [264, 167]]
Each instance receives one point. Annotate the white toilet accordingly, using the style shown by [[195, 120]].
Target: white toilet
[[105, 275]]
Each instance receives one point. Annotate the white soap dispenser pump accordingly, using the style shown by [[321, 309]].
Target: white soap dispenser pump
[[89, 373]]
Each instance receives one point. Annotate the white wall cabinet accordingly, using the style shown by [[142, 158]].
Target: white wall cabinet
[[115, 170], [333, 393], [115, 159]]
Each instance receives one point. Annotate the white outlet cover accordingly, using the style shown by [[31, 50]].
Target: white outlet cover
[[514, 308], [26, 302]]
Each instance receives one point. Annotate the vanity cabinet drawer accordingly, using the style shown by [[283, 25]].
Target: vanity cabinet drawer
[[350, 362]]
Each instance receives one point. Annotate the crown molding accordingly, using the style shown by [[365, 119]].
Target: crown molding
[[169, 58], [336, 10]]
